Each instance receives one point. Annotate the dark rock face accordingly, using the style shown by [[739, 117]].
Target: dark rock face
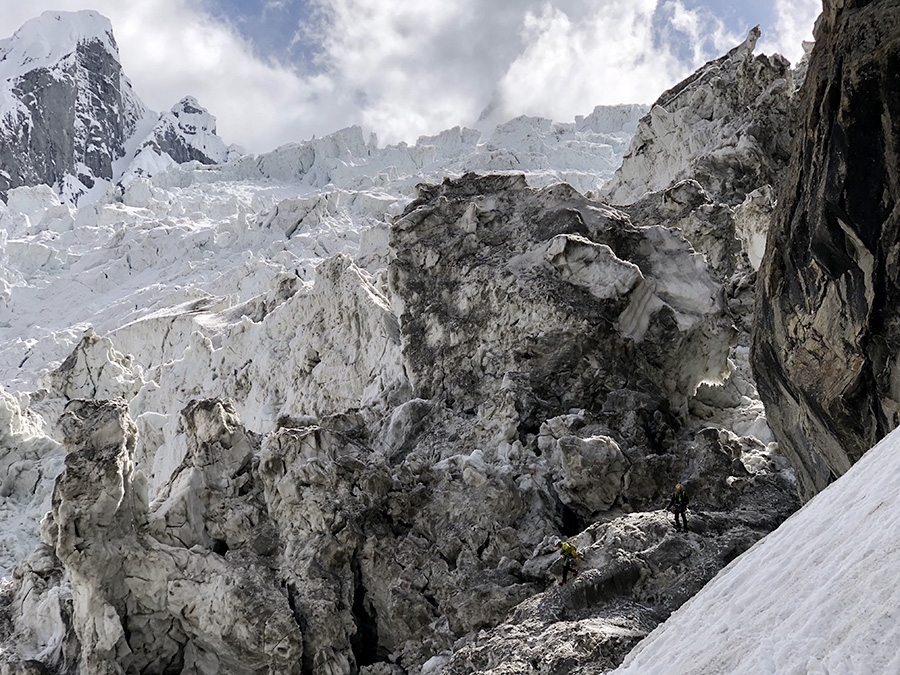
[[569, 301], [827, 323], [73, 124]]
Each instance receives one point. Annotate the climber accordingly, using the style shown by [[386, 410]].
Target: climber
[[678, 506], [568, 553]]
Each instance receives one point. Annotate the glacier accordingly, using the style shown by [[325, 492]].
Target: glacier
[[363, 390]]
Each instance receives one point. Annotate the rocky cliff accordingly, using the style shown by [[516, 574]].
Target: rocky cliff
[[728, 126], [187, 133], [826, 326], [69, 113]]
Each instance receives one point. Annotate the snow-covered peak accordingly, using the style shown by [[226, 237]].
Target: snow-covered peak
[[198, 128], [99, 137], [61, 78], [184, 134], [46, 40]]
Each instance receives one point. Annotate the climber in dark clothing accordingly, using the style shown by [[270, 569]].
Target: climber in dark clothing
[[569, 553], [678, 506]]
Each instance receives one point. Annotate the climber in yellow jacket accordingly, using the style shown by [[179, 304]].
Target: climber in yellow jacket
[[569, 553]]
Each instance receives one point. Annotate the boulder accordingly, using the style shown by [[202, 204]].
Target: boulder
[[496, 282]]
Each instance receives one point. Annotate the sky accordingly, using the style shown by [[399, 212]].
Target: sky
[[280, 71]]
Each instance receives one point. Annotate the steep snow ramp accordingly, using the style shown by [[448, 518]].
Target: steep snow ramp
[[818, 595]]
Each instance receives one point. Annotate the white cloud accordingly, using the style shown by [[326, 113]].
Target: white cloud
[[417, 66], [706, 34], [420, 66], [793, 25], [411, 67], [169, 51], [621, 51], [570, 66]]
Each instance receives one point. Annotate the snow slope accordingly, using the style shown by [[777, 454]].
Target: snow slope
[[817, 596]]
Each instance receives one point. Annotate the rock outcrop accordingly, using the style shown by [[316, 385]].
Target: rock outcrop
[[187, 133], [549, 277], [827, 328]]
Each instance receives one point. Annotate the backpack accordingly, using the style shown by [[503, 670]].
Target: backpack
[[569, 550]]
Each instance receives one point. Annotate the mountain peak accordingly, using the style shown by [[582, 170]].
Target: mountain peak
[[186, 133], [49, 38], [67, 111], [61, 80]]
